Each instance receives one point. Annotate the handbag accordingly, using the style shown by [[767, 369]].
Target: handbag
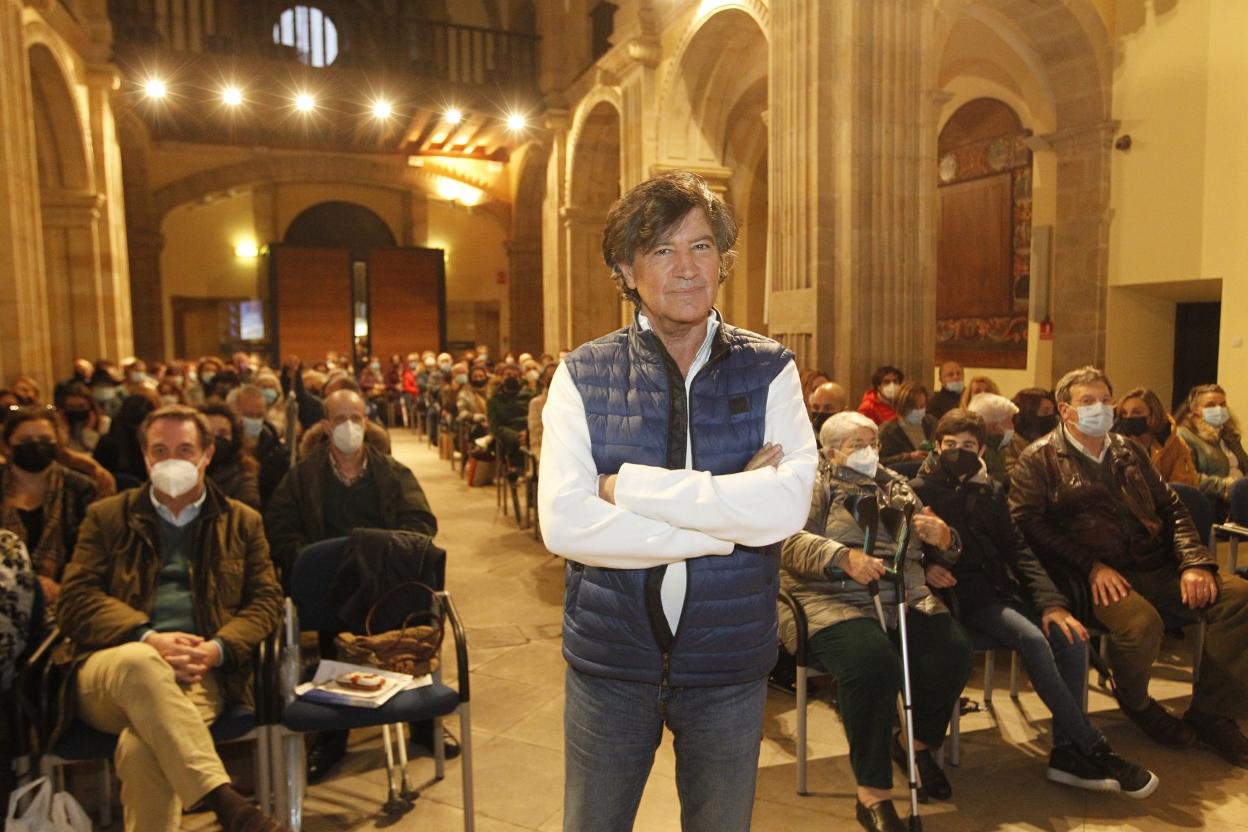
[[411, 649], [46, 812]]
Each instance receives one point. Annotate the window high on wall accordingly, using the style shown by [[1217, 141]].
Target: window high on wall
[[309, 32]]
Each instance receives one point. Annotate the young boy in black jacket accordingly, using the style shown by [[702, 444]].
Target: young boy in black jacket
[[1002, 591]]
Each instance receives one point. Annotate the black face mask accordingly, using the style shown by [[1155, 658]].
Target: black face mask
[[477, 382], [36, 456], [511, 386], [1132, 426], [1046, 425], [77, 418], [960, 463]]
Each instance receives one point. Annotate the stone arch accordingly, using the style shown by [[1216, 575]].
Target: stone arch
[[722, 54], [69, 207], [339, 224], [320, 168], [524, 252], [1067, 54], [594, 182], [589, 104]]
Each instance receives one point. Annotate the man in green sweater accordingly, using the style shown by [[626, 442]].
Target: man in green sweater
[[169, 591], [343, 485]]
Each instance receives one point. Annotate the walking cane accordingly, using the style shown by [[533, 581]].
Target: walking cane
[[869, 518], [899, 567]]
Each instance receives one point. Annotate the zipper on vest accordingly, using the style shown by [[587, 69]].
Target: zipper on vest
[[667, 666]]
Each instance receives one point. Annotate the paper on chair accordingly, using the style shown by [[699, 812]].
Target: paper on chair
[[324, 689]]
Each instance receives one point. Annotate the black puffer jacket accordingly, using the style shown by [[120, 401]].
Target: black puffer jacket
[[996, 566]]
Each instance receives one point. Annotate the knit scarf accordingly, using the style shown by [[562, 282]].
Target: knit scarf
[[48, 554]]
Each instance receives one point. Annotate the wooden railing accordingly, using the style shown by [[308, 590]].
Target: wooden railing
[[249, 28]]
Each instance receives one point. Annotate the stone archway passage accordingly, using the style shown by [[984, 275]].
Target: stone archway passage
[[594, 187]]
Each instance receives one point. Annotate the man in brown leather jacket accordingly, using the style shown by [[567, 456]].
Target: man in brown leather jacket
[[1092, 500], [169, 591]]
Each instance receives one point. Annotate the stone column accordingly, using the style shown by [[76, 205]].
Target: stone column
[[524, 262], [146, 301], [556, 293], [73, 281], [851, 254], [1081, 245], [595, 307], [24, 345]]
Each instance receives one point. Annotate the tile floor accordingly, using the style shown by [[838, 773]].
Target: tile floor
[[509, 590]]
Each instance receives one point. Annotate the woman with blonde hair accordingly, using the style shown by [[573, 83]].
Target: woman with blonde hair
[[1212, 434], [909, 436], [977, 385], [1141, 416]]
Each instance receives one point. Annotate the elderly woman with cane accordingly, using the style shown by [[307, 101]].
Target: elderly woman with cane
[[856, 634]]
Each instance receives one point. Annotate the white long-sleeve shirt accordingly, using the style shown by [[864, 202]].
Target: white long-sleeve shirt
[[664, 516]]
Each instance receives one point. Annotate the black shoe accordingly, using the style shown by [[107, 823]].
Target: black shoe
[[1220, 733], [422, 741], [1100, 771], [1163, 726], [881, 817], [933, 784], [327, 751]]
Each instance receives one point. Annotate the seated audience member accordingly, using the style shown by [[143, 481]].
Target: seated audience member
[[135, 378], [81, 374], [170, 392], [877, 403], [949, 395], [1036, 417], [260, 439], [222, 383], [20, 630], [977, 385], [43, 501], [1092, 499], [826, 570], [160, 633], [270, 387], [206, 370], [811, 381], [232, 469], [998, 414], [826, 400], [1141, 416], [536, 405], [81, 422], [508, 414], [318, 435], [27, 391], [105, 390], [336, 488], [471, 403], [1211, 433], [1004, 592], [909, 436], [120, 450]]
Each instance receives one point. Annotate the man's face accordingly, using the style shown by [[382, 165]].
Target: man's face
[[1082, 395], [177, 439], [677, 278], [250, 407], [966, 441], [950, 371], [340, 409]]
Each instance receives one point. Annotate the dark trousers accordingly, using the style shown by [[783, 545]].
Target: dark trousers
[[867, 667]]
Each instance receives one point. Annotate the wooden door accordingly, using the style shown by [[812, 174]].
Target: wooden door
[[311, 296], [406, 301]]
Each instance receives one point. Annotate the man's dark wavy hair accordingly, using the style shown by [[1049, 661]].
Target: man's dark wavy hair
[[646, 214]]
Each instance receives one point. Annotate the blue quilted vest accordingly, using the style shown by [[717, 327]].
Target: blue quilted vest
[[636, 409]]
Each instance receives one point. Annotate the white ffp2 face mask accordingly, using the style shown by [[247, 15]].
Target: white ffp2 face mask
[[1095, 419], [864, 460], [348, 437], [174, 477]]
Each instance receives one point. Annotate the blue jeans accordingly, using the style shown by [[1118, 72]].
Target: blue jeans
[[611, 729], [1058, 669]]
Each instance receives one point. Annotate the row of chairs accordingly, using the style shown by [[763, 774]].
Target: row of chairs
[[277, 723]]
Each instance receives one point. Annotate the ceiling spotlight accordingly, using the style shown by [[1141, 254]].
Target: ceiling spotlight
[[232, 96], [305, 103], [382, 109], [155, 88], [515, 121], [454, 116]]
